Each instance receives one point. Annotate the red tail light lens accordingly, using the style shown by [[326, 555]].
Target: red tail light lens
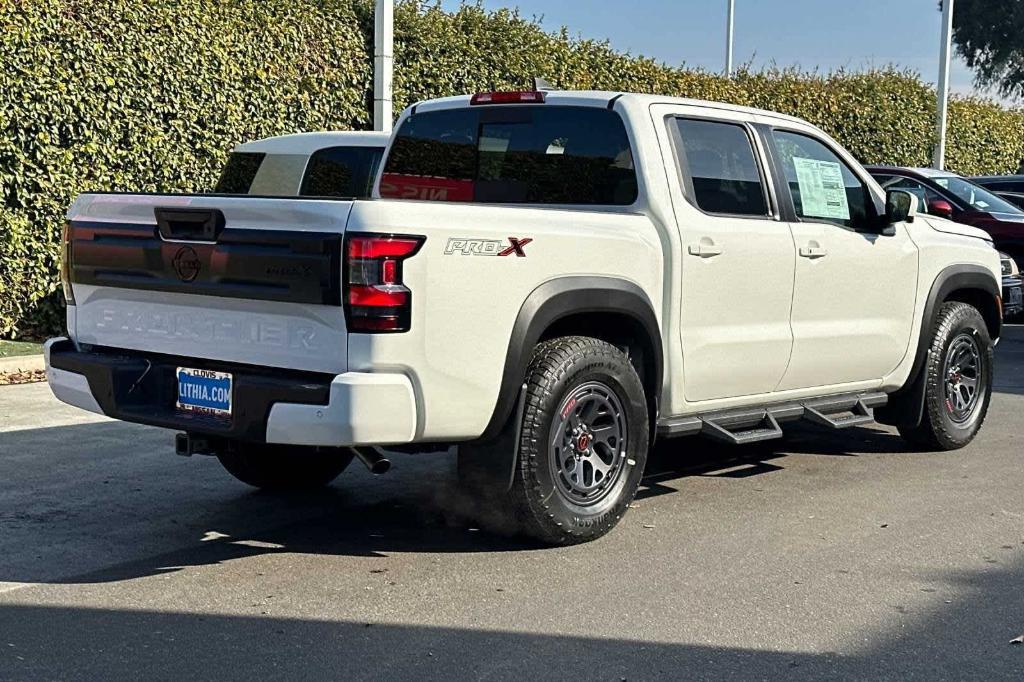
[[519, 97], [376, 298]]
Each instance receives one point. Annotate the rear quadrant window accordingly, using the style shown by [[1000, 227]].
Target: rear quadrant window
[[239, 172], [512, 154], [341, 172], [720, 162]]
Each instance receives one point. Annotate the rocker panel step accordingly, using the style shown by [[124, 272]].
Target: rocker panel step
[[861, 414], [767, 429]]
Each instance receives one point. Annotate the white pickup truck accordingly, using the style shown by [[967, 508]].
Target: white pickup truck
[[546, 280]]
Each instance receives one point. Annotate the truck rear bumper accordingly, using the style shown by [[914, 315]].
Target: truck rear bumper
[[268, 405]]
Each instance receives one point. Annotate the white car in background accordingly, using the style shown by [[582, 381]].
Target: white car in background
[[320, 164]]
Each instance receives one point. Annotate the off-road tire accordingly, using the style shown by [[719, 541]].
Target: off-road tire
[[283, 467], [538, 501], [938, 429]]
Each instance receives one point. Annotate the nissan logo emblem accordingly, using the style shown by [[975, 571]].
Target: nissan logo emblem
[[186, 264]]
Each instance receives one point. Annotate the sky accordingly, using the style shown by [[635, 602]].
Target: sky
[[823, 34]]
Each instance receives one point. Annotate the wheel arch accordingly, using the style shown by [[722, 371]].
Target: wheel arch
[[971, 284], [608, 308]]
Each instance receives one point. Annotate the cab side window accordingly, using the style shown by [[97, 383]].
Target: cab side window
[[822, 186], [718, 159]]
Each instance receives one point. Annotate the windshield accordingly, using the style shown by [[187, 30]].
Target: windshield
[[975, 195]]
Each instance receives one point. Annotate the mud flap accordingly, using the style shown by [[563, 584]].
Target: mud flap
[[487, 467]]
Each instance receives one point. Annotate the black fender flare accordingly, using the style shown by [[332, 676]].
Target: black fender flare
[[559, 298], [906, 405]]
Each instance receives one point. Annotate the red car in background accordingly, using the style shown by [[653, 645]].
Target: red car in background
[[951, 196]]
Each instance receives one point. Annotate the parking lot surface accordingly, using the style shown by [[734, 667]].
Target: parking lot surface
[[826, 554]]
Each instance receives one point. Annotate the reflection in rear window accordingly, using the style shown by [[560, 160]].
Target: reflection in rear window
[[238, 173], [512, 154]]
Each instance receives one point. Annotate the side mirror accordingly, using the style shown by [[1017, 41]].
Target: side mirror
[[900, 206], [940, 208]]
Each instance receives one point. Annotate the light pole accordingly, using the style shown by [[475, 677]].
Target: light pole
[[728, 38], [942, 87], [383, 63]]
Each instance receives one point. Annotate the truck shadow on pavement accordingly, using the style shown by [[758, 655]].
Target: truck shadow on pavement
[[115, 512]]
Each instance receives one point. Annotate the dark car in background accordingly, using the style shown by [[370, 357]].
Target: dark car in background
[[956, 198], [1000, 183], [947, 195], [1009, 187], [1013, 287]]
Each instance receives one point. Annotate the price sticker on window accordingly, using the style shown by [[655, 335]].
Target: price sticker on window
[[822, 191]]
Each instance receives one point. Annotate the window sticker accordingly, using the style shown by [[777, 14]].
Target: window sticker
[[822, 191]]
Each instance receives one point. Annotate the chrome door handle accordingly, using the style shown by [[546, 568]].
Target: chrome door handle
[[704, 249], [813, 251]]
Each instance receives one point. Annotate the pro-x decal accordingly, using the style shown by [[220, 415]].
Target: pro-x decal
[[487, 247]]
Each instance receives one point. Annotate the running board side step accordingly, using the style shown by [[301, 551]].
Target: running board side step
[[767, 429], [860, 414], [753, 424]]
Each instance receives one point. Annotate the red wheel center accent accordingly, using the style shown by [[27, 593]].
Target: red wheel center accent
[[583, 442]]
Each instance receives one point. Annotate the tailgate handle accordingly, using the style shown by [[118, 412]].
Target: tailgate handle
[[189, 224]]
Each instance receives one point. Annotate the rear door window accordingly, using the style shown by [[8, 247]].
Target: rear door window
[[519, 154], [239, 172], [341, 172], [718, 158]]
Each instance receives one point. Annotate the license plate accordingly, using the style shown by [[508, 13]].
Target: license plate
[[1016, 296], [200, 390]]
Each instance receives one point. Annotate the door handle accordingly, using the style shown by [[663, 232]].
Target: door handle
[[812, 250], [704, 249]]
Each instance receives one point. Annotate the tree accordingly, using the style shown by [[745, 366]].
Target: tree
[[989, 35]]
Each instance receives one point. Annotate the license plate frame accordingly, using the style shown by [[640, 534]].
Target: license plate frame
[[203, 391]]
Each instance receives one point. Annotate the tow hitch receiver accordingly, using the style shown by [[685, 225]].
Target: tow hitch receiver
[[186, 445]]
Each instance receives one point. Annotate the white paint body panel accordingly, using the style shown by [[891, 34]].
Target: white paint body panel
[[265, 333], [69, 387], [364, 409]]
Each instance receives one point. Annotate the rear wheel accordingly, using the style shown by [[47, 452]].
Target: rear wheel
[[958, 381], [284, 467], [582, 443]]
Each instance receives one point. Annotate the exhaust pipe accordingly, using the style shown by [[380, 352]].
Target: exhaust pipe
[[377, 463]]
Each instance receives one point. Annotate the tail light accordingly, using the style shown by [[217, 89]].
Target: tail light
[[518, 97], [376, 298], [65, 265]]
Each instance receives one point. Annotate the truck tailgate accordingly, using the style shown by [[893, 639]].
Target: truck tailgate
[[235, 279]]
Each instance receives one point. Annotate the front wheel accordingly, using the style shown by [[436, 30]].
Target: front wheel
[[583, 441], [284, 467], [958, 381]]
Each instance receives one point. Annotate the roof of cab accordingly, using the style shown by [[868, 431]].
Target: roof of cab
[[307, 143], [602, 98]]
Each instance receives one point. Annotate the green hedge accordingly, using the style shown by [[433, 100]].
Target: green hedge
[[149, 96]]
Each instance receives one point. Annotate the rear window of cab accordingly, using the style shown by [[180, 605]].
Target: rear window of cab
[[517, 154]]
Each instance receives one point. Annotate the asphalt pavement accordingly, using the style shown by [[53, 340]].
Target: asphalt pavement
[[826, 555]]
